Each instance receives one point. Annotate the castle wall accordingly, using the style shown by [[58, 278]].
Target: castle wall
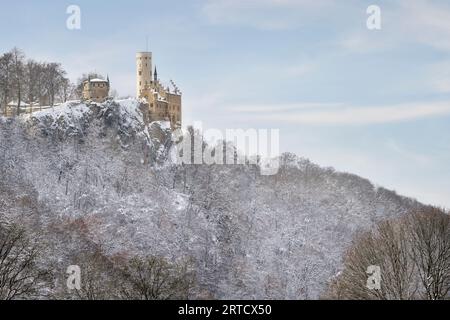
[[174, 108], [96, 91]]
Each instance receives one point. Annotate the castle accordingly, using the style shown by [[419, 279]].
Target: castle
[[96, 90], [163, 103]]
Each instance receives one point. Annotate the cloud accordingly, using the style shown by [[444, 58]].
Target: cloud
[[365, 42], [275, 108], [403, 22], [262, 14], [419, 22], [426, 22], [349, 115], [439, 77]]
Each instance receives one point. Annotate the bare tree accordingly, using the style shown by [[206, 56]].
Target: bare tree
[[413, 253], [54, 80], [154, 278], [429, 235], [33, 76], [114, 93], [383, 248], [120, 278], [6, 64], [20, 277], [31, 81], [99, 277], [18, 75], [67, 90]]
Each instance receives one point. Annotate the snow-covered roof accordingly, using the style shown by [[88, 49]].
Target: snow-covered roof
[[98, 80], [159, 97]]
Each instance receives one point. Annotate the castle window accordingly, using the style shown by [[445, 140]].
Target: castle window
[[140, 73]]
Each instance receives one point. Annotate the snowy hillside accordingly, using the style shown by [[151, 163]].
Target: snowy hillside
[[96, 175]]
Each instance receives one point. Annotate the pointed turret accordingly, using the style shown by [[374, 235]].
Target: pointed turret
[[156, 75]]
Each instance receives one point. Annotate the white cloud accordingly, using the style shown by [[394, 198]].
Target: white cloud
[[427, 22], [439, 77], [262, 14], [403, 22], [365, 42], [353, 115], [276, 108]]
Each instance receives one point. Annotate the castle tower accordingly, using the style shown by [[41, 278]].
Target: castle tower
[[144, 72]]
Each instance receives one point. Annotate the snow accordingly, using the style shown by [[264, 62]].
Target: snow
[[67, 118], [164, 125], [98, 80], [251, 236], [14, 104], [130, 107], [71, 112]]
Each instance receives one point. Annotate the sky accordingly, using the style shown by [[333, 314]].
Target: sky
[[371, 102]]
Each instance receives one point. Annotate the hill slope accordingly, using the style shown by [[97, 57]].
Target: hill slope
[[97, 175]]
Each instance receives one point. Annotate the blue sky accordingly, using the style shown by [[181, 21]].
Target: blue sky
[[374, 103]]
